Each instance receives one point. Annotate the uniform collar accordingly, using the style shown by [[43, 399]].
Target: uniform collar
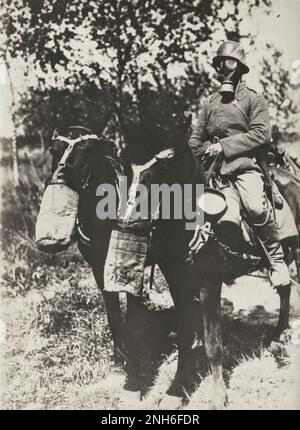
[[240, 90]]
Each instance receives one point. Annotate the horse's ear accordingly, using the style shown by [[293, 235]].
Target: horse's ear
[[55, 134]]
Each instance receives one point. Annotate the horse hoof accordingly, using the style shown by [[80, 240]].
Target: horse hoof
[[170, 402], [129, 399]]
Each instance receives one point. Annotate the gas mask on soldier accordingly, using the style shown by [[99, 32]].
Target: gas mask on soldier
[[230, 73]]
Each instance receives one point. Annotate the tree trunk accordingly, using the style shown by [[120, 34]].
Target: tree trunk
[[16, 174], [42, 140]]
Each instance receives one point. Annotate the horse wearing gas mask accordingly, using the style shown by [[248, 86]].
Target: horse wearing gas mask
[[68, 212], [194, 265]]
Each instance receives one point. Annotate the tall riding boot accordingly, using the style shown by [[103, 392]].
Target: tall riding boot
[[268, 234]]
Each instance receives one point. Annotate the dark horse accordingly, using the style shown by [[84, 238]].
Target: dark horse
[[195, 288], [85, 167]]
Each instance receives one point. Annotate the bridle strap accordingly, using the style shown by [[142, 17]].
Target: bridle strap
[[137, 170], [78, 139], [71, 143]]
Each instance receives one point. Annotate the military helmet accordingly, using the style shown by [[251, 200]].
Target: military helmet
[[233, 50]]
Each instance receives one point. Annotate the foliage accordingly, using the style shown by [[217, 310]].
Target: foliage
[[276, 83], [58, 348], [92, 60]]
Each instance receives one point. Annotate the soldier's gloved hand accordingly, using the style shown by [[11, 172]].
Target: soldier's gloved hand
[[200, 151], [214, 149]]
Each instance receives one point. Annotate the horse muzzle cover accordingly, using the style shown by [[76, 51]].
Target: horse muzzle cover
[[56, 222]]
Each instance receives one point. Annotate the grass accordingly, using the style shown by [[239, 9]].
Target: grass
[[56, 339], [56, 350], [54, 316]]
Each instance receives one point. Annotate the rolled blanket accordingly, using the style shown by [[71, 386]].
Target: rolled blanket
[[55, 225], [125, 262]]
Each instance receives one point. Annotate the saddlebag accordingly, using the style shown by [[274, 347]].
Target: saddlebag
[[56, 221], [125, 262]]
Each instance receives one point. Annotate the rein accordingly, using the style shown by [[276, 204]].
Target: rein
[[213, 170]]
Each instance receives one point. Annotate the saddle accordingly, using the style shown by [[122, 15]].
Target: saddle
[[236, 235]]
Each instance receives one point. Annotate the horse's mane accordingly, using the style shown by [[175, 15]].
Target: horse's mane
[[147, 138]]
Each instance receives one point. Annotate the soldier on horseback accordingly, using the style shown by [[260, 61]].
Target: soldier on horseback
[[234, 124]]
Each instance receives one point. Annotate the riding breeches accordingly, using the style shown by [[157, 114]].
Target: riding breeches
[[246, 193]]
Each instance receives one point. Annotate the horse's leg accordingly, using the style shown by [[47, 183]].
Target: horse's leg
[[131, 393], [283, 321], [189, 343], [285, 291], [296, 255], [96, 255], [297, 261], [114, 318], [133, 333], [116, 325], [210, 297], [188, 321]]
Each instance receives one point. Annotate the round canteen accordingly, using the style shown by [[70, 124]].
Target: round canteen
[[213, 203]]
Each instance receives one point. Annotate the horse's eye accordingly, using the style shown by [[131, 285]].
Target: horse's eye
[[58, 146], [54, 148]]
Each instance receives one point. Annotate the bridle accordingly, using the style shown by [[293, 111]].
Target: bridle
[[63, 162]]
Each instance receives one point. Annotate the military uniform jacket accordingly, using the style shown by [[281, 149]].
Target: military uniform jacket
[[242, 125]]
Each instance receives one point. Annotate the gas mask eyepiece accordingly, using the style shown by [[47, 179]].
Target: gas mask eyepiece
[[230, 64]]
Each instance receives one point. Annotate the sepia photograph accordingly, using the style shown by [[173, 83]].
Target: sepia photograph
[[149, 207]]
